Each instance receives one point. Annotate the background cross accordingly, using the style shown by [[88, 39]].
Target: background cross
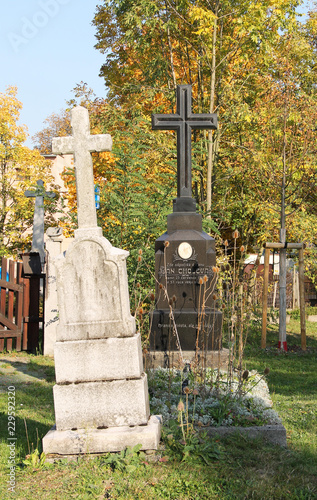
[[38, 221], [82, 144], [184, 121]]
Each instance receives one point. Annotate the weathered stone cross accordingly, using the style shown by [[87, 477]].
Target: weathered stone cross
[[38, 220], [81, 144], [184, 121]]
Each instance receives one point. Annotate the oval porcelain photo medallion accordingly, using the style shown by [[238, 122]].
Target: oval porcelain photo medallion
[[185, 250]]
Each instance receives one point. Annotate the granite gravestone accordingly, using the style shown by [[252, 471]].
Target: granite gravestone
[[185, 259], [101, 396]]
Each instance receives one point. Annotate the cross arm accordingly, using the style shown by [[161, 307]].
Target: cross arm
[[166, 122], [99, 142], [63, 145], [30, 194], [203, 121], [174, 121], [49, 194]]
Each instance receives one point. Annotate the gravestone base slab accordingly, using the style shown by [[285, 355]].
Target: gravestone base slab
[[61, 444], [172, 359], [274, 434]]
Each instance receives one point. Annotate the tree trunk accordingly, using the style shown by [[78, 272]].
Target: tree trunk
[[210, 159]]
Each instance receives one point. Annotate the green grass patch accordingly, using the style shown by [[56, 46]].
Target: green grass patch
[[239, 468]]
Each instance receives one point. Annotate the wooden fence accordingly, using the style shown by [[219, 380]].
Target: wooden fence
[[11, 305], [21, 307]]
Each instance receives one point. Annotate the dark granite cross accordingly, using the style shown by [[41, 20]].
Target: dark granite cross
[[184, 121], [38, 220]]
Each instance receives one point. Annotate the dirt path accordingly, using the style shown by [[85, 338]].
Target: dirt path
[[17, 368]]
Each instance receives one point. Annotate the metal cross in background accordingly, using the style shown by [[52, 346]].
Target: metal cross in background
[[184, 121], [38, 220]]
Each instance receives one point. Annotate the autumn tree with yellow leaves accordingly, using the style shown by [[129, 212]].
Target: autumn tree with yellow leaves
[[233, 54], [254, 64], [21, 168]]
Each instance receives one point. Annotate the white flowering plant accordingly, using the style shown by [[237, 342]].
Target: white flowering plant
[[212, 400]]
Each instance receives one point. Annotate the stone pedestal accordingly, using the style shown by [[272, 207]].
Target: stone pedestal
[[185, 262], [101, 394]]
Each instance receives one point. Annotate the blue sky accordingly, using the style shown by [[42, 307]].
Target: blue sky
[[46, 48]]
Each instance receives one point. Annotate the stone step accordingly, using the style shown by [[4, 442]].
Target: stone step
[[98, 360], [101, 404]]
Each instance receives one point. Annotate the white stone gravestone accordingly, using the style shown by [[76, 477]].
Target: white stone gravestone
[[55, 244], [101, 394]]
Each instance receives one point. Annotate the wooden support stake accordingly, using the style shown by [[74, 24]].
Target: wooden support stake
[[265, 296], [292, 246], [10, 300], [19, 306], [302, 298], [3, 295]]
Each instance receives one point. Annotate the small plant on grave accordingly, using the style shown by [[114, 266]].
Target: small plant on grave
[[247, 382], [142, 301], [127, 460], [186, 444], [238, 293], [34, 459]]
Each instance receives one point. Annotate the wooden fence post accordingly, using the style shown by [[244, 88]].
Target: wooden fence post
[[10, 301], [3, 295], [302, 297], [265, 296]]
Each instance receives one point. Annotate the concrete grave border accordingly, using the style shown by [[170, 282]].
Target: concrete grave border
[[274, 434]]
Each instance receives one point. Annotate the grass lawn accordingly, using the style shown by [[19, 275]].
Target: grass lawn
[[243, 469]]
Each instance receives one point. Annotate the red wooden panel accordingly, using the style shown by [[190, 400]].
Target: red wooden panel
[[4, 320], [7, 333], [3, 294], [11, 292], [11, 304], [11, 295], [9, 285]]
